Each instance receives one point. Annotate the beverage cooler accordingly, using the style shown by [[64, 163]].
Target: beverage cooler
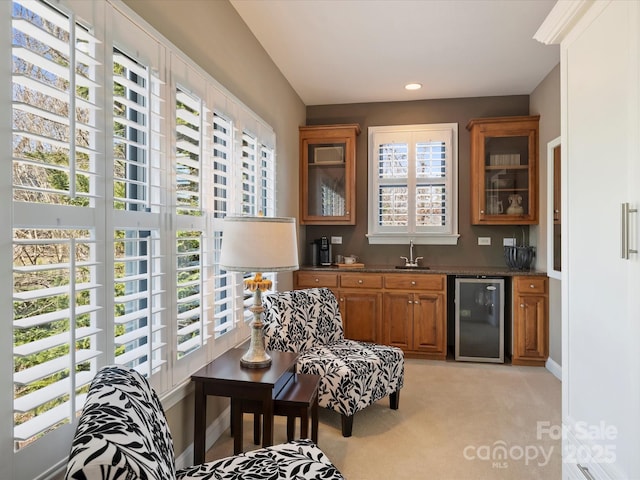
[[479, 319]]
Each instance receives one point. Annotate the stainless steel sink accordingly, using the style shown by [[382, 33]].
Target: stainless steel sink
[[412, 267]]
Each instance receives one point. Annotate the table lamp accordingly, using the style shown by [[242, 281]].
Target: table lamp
[[258, 244]]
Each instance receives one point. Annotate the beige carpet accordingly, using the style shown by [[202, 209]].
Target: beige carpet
[[456, 421]]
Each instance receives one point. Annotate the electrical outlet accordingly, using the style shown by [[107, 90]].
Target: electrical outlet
[[484, 240], [509, 242], [336, 240]]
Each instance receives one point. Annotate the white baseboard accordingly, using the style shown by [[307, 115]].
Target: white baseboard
[[215, 430], [554, 368]]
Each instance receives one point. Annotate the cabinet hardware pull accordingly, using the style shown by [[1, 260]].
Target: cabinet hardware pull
[[532, 286], [413, 282], [317, 280], [522, 305], [585, 471], [410, 301], [624, 236], [360, 281]]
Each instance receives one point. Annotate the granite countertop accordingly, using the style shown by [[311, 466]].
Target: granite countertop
[[503, 271]]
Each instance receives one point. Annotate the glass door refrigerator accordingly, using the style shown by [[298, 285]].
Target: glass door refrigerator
[[479, 319]]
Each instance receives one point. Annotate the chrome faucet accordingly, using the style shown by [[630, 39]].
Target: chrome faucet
[[410, 262]]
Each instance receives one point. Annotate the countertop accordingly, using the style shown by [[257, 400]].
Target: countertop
[[447, 270]]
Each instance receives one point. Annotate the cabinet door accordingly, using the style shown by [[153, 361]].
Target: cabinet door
[[429, 323], [398, 319], [530, 330], [504, 170], [361, 315], [327, 174], [600, 301]]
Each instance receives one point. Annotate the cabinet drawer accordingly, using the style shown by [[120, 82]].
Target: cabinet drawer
[[415, 282], [316, 279], [360, 280], [524, 285]]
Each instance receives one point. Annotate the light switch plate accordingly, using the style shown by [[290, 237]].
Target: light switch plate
[[484, 240], [509, 242], [336, 240]]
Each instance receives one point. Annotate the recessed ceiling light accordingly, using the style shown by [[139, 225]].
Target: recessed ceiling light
[[413, 86]]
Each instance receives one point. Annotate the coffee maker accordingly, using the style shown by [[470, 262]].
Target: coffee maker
[[321, 252]]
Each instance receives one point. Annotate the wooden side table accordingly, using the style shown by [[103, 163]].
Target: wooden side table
[[298, 399], [225, 377]]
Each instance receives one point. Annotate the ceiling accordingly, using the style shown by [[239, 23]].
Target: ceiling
[[357, 51]]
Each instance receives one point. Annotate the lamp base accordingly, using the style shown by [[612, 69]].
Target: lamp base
[[256, 357], [251, 361]]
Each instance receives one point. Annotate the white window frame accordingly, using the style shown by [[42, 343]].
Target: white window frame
[[412, 134]]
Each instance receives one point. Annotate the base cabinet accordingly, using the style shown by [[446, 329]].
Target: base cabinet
[[415, 317], [415, 322], [530, 320], [361, 315]]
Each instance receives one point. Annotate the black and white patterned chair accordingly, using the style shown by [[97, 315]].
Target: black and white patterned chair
[[123, 434], [353, 375]]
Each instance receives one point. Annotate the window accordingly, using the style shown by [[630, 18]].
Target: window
[[413, 184], [125, 158]]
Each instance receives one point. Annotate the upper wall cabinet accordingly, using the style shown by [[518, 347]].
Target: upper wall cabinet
[[504, 170], [328, 174]]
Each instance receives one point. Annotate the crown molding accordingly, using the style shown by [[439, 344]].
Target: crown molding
[[562, 17]]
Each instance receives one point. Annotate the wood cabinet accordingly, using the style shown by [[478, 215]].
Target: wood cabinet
[[359, 296], [530, 320], [504, 170], [415, 314], [328, 174]]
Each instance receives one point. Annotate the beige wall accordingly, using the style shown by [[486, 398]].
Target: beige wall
[[545, 100], [212, 34]]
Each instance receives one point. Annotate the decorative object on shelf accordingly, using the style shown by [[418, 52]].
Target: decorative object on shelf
[[515, 205], [258, 244], [519, 257]]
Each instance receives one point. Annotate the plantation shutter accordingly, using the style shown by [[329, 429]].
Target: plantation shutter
[[249, 205], [413, 184], [139, 277], [222, 201], [191, 255], [55, 301]]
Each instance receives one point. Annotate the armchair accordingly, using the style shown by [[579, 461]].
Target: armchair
[[353, 375]]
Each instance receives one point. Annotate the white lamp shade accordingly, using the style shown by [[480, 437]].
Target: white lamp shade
[[259, 244]]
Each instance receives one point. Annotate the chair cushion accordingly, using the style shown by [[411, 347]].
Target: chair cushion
[[301, 459], [353, 375], [298, 320], [122, 432]]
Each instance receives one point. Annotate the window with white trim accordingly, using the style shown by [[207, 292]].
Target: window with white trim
[[413, 184], [125, 157]]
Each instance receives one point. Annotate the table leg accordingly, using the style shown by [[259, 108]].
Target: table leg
[[314, 420], [267, 421], [236, 425], [199, 425]]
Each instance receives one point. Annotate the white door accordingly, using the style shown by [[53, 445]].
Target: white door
[[601, 316]]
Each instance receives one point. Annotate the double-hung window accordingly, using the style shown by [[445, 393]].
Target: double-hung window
[[413, 184]]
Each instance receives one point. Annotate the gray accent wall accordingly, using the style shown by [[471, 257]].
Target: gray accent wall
[[457, 110]]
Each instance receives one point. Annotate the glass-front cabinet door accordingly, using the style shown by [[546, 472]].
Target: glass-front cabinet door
[[504, 170], [327, 174]]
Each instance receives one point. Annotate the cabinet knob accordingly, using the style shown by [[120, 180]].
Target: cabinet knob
[[342, 299], [410, 301], [348, 212], [481, 212], [532, 286], [413, 282], [360, 282], [317, 280], [522, 305]]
